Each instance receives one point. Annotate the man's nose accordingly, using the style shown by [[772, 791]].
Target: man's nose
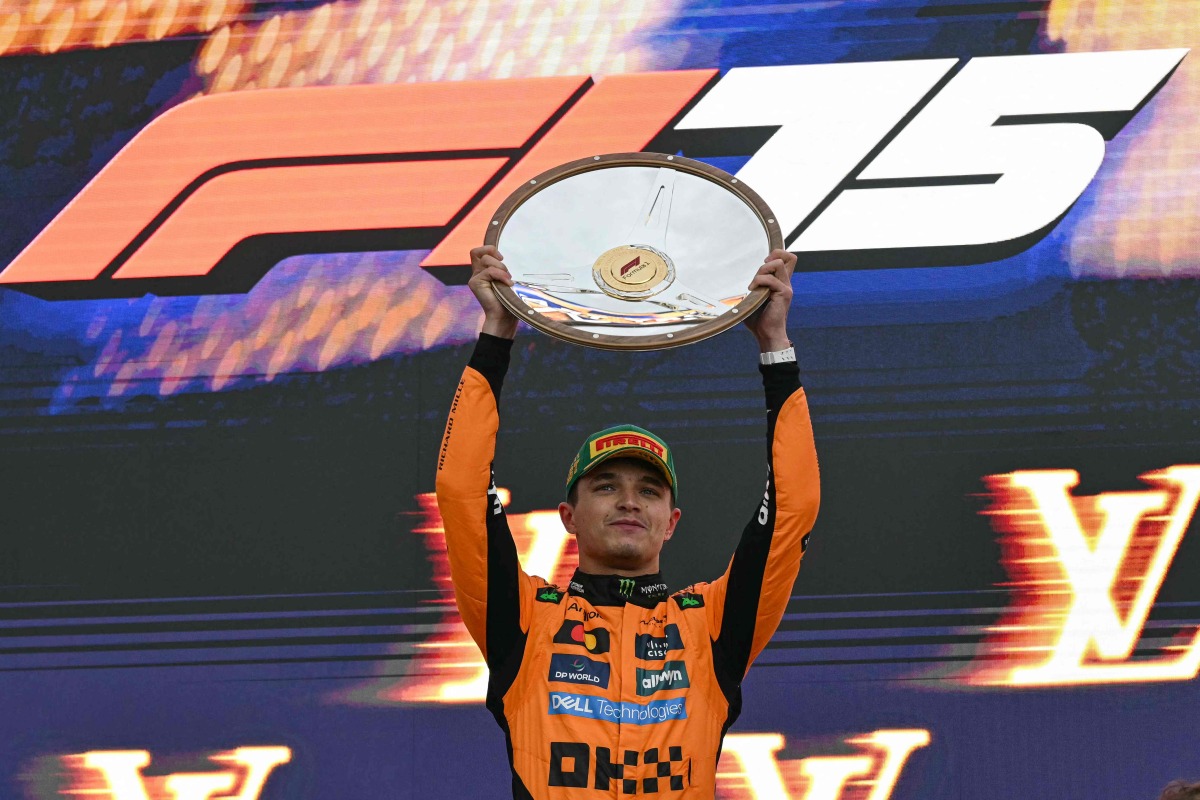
[[629, 498]]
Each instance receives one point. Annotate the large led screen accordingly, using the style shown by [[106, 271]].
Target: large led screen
[[232, 321]]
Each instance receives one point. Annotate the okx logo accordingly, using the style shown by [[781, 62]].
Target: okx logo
[[241, 774], [578, 669], [672, 675], [659, 769], [968, 162], [594, 640], [655, 648], [1086, 571]]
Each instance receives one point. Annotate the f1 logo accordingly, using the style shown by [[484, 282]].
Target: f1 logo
[[950, 163]]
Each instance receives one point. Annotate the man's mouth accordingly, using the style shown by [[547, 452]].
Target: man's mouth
[[628, 524]]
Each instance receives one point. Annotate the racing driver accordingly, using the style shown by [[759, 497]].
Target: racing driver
[[613, 685]]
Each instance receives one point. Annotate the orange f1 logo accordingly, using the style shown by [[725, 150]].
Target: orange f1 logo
[[216, 191]]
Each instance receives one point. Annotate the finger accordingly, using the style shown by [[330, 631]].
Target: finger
[[495, 274], [787, 258], [485, 250], [489, 261], [773, 283]]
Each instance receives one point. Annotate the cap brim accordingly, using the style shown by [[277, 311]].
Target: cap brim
[[633, 452]]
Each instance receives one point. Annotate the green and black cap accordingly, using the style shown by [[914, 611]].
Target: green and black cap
[[624, 441]]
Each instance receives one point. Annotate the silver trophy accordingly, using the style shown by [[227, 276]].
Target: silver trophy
[[633, 251]]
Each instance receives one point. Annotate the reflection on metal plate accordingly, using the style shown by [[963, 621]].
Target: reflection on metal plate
[[633, 250]]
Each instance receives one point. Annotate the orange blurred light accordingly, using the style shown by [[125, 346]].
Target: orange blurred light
[[448, 667], [119, 775], [1111, 551], [751, 767]]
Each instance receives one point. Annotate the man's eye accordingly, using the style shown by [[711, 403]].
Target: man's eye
[[652, 492]]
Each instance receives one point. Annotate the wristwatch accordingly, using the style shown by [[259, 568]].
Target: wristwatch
[[777, 356]]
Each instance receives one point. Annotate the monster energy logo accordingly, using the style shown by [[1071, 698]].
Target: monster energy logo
[[625, 586]]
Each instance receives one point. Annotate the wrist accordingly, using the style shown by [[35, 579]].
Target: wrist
[[505, 327], [773, 343]]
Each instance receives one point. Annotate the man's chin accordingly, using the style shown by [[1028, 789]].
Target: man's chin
[[623, 555]]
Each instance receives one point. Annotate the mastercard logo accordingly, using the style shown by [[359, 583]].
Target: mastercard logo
[[594, 640]]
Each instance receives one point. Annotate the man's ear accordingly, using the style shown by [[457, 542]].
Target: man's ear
[[675, 515], [566, 513]]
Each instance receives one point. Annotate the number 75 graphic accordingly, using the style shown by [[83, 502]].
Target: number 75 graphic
[[867, 165]]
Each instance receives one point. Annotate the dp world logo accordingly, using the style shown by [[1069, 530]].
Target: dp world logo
[[578, 669]]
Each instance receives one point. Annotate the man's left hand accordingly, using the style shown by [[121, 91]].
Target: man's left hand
[[769, 323]]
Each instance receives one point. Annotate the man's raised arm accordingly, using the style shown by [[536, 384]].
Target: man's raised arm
[[484, 568], [748, 601]]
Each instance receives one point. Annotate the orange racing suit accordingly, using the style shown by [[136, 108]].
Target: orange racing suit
[[614, 686]]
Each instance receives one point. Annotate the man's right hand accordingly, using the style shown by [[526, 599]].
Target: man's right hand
[[487, 266]]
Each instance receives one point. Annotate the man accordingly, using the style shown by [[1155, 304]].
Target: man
[[613, 686]]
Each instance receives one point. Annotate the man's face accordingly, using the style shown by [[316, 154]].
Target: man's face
[[622, 515]]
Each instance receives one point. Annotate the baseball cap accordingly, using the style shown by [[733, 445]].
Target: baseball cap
[[625, 441]]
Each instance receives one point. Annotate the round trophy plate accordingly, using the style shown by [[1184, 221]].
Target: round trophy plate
[[633, 251]]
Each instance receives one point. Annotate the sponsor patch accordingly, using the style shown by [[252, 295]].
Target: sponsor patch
[[549, 594], [587, 615], [588, 707], [672, 675], [626, 439], [655, 648], [579, 669], [594, 640], [685, 601]]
